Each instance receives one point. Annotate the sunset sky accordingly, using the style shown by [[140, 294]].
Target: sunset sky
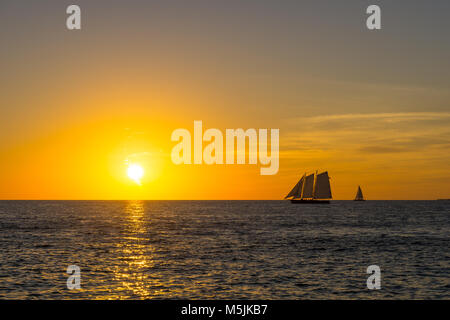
[[371, 107]]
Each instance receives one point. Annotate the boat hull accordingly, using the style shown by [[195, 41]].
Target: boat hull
[[304, 201]]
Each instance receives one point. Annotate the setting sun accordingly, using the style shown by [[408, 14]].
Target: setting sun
[[135, 172]]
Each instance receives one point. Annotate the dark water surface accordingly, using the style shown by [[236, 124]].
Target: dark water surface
[[224, 249]]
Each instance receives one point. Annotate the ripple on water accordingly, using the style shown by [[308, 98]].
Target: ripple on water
[[223, 249]]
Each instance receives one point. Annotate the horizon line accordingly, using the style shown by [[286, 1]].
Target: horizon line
[[213, 199]]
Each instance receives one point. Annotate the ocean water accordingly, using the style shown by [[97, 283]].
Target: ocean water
[[224, 249]]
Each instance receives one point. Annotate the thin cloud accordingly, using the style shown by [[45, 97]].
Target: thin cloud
[[370, 133], [400, 116]]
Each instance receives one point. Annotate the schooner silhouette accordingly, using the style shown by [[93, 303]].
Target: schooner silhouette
[[314, 188]]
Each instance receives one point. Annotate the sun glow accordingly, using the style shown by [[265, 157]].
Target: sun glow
[[135, 172]]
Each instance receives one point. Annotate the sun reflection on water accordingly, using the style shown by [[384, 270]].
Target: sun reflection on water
[[136, 254]]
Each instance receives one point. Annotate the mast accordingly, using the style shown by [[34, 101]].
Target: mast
[[303, 185], [314, 185]]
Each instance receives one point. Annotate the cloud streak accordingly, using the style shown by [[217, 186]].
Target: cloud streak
[[391, 117], [371, 133]]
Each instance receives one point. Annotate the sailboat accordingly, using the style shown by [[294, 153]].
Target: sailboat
[[359, 196], [313, 188]]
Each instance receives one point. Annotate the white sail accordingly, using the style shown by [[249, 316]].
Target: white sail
[[359, 195], [308, 188], [322, 188], [297, 190]]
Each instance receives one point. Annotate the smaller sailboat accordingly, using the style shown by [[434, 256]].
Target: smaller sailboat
[[359, 196], [314, 188]]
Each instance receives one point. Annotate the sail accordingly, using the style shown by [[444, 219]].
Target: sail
[[308, 188], [359, 195], [322, 188], [297, 190]]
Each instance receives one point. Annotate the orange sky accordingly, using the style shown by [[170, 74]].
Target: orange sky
[[371, 108]]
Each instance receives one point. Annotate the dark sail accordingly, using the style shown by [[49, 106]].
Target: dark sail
[[296, 192], [359, 195], [308, 189], [322, 188]]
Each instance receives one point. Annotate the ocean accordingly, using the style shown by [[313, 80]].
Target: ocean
[[224, 249]]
